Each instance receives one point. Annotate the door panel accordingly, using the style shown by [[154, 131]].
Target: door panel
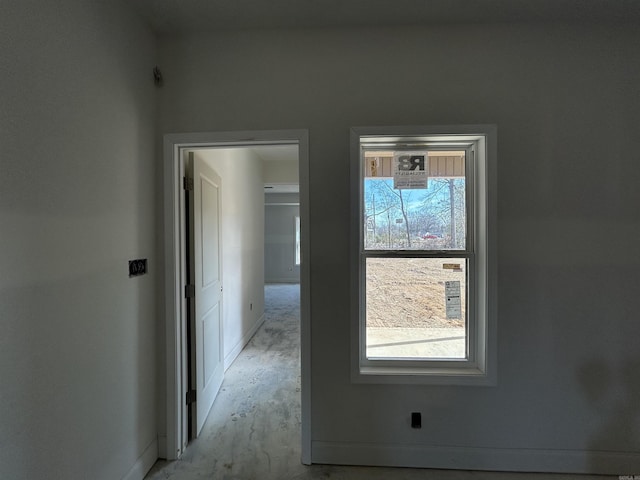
[[210, 340], [209, 365], [210, 233]]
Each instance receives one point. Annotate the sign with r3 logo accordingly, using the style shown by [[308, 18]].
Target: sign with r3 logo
[[408, 163], [410, 170]]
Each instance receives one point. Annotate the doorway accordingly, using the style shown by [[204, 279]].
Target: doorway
[[177, 358]]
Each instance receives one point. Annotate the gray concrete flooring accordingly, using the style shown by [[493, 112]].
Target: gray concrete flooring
[[253, 430], [416, 342]]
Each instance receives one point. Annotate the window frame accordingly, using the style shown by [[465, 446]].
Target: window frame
[[480, 184]]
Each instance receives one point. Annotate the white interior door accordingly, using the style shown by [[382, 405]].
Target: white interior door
[[206, 235]]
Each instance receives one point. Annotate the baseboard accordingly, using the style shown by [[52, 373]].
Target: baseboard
[[235, 351], [162, 446], [488, 459], [282, 280], [144, 462]]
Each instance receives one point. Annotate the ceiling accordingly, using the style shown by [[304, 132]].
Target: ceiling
[[172, 16], [278, 153]]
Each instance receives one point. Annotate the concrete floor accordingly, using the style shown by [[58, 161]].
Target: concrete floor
[[416, 342], [253, 430]]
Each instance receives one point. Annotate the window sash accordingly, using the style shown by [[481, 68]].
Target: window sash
[[468, 253], [470, 317], [470, 210]]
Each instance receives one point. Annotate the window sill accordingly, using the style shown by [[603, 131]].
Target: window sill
[[454, 375]]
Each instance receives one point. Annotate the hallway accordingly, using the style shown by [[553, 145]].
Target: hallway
[[253, 430]]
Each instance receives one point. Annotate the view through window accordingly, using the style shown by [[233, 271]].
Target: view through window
[[297, 242], [415, 205]]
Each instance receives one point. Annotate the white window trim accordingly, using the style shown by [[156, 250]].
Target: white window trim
[[481, 369]]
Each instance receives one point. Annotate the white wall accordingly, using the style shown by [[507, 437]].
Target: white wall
[[280, 240], [279, 246], [567, 105], [281, 171], [77, 185], [242, 243]]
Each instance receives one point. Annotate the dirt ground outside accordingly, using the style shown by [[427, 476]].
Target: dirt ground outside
[[410, 292]]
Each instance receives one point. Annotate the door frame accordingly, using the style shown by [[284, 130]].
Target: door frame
[[174, 146]]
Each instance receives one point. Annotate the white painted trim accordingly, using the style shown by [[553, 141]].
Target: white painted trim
[[173, 172], [291, 281], [479, 369], [235, 351], [144, 462], [305, 295], [471, 458]]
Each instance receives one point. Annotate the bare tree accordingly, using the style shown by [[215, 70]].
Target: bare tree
[[446, 200], [442, 209], [381, 203], [403, 209]]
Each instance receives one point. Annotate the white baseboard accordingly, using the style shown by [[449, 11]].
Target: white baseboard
[[144, 462], [466, 458], [162, 446], [235, 351]]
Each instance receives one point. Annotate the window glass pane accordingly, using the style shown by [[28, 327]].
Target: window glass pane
[[422, 212], [297, 251], [416, 308]]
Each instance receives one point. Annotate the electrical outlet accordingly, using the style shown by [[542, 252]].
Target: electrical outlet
[[416, 420]]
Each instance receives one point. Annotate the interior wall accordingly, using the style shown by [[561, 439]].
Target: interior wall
[[77, 186], [281, 171], [280, 239], [242, 224], [566, 102]]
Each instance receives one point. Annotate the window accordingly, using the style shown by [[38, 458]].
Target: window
[[297, 246], [423, 256]]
